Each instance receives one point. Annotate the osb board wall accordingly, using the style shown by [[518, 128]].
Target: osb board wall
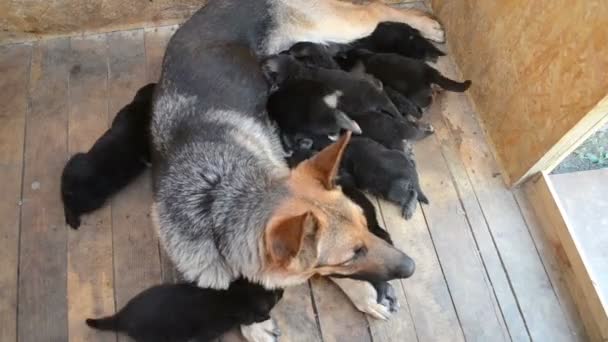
[[28, 19], [31, 19], [537, 68]]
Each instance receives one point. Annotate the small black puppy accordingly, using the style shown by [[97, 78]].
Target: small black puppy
[[390, 174], [309, 107], [318, 55], [121, 154], [185, 312], [391, 37], [410, 77], [358, 94], [406, 107], [392, 132]]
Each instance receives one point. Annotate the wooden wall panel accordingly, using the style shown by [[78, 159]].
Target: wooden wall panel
[[537, 68]]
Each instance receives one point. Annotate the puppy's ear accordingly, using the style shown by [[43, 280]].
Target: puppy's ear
[[273, 68], [327, 162], [285, 238]]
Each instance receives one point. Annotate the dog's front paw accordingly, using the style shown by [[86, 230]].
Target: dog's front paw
[[267, 331], [365, 298]]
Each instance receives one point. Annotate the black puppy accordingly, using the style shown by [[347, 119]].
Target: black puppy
[[185, 312], [358, 94], [121, 154], [392, 132], [318, 55], [391, 37], [410, 77], [390, 174], [309, 107]]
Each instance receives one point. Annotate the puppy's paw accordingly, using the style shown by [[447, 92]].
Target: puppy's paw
[[387, 296], [267, 331], [408, 208], [365, 298]]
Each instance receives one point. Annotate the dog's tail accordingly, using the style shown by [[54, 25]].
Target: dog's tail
[[111, 323], [449, 84]]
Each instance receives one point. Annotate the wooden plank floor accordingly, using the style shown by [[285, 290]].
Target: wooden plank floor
[[484, 273]]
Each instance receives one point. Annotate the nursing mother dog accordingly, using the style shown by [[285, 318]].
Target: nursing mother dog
[[225, 203]]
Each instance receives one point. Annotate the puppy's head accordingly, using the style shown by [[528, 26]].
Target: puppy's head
[[315, 54], [405, 40], [278, 68], [318, 230]]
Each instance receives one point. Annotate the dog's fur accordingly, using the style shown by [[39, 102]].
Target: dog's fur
[[399, 182], [185, 312], [120, 155], [226, 205], [410, 77], [390, 37], [358, 93]]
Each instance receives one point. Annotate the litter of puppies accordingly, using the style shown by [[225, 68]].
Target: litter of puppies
[[376, 87]]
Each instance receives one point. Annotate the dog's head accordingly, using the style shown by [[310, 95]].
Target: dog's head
[[318, 230]]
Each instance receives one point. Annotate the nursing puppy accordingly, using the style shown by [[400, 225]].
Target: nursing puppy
[[316, 55], [358, 94], [408, 76], [120, 155], [399, 182], [310, 107], [392, 132], [225, 203], [185, 312], [391, 37]]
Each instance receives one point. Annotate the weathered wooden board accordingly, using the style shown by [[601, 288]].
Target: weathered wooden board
[[427, 293], [339, 319], [400, 327], [14, 67], [296, 317], [90, 259], [537, 300], [485, 244], [456, 248], [43, 247]]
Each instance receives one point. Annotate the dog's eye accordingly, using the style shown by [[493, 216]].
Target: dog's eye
[[359, 252]]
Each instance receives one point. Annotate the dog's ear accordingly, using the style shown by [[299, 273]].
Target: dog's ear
[[327, 162], [285, 238]]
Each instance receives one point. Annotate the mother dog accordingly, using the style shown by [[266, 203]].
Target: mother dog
[[226, 204]]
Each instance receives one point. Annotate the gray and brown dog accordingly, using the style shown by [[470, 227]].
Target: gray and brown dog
[[226, 205]]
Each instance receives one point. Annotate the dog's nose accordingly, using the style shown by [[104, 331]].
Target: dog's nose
[[405, 269]]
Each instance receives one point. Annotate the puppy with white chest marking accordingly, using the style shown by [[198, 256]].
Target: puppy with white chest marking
[[358, 94], [225, 203]]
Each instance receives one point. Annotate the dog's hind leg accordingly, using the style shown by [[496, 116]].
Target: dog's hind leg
[[364, 296], [343, 22]]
